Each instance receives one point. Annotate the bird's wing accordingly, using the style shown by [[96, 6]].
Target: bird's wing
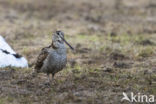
[[40, 59]]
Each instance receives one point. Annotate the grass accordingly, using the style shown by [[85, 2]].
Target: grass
[[92, 75], [146, 52], [88, 83]]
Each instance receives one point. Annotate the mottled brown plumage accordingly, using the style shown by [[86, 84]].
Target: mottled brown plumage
[[40, 59]]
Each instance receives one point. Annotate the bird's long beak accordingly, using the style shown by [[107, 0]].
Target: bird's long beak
[[67, 43]]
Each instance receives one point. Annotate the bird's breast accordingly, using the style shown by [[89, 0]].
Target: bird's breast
[[57, 61]]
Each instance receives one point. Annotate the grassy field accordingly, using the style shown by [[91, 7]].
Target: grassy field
[[115, 50]]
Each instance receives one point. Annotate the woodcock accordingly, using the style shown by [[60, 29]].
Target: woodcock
[[53, 58]]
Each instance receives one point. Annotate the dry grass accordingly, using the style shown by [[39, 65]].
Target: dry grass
[[115, 50]]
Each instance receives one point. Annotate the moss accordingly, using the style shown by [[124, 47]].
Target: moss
[[146, 52]]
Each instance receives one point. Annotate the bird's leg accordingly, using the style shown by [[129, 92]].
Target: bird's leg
[[48, 82], [52, 78]]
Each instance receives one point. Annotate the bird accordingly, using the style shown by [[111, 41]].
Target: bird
[[53, 58], [9, 58]]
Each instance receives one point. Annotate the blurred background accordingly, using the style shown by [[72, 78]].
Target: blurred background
[[115, 42]]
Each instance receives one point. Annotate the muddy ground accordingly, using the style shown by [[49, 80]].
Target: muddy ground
[[115, 50]]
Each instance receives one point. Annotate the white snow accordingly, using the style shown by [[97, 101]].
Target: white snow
[[10, 60]]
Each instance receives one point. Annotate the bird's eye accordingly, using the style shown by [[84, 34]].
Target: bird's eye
[[58, 32]]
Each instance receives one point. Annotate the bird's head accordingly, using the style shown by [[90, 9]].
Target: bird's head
[[58, 39]]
